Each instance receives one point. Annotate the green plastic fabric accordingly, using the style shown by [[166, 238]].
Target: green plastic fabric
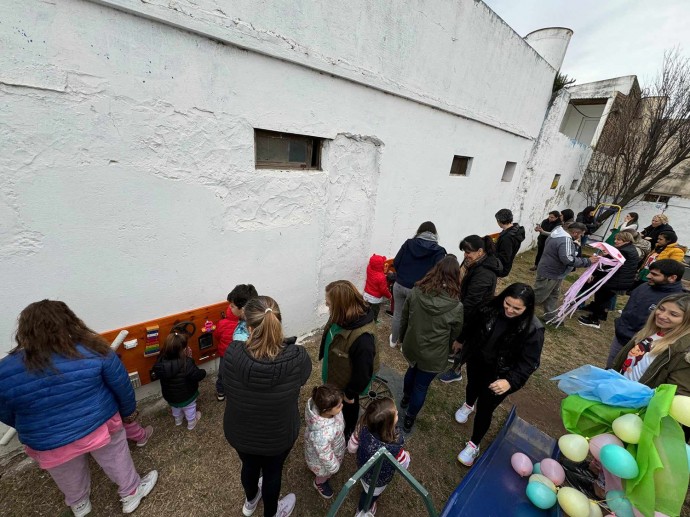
[[661, 455], [612, 237]]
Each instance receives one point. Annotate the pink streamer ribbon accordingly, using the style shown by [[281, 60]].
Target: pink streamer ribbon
[[574, 298]]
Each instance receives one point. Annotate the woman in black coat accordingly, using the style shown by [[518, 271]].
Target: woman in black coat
[[262, 381], [659, 224], [622, 280], [478, 274], [502, 347]]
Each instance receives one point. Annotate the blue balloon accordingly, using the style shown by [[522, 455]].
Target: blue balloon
[[618, 461], [619, 504], [687, 451], [536, 469], [540, 495]]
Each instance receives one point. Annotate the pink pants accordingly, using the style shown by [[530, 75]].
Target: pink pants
[[73, 478], [134, 431]]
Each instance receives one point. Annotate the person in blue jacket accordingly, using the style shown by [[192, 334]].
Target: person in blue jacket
[[414, 260], [65, 392]]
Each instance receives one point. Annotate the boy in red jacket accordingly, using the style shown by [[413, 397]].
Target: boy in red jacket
[[376, 287], [224, 331]]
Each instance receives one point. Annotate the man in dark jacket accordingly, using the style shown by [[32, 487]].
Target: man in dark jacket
[[559, 259], [509, 240], [663, 280]]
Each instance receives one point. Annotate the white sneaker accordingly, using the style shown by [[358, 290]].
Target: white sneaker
[[82, 509], [178, 421], [250, 506], [286, 505], [468, 454], [191, 425], [390, 341], [131, 502], [462, 414]]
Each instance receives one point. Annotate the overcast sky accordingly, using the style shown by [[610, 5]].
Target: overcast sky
[[611, 37]]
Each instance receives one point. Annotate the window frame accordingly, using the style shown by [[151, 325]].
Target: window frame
[[314, 147], [468, 166]]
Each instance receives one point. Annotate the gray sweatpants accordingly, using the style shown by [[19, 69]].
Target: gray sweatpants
[[400, 294], [546, 293]]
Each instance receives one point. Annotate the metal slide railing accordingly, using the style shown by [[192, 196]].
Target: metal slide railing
[[376, 463]]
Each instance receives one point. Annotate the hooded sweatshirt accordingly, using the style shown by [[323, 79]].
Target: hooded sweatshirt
[[479, 283], [507, 246], [416, 257], [429, 323], [324, 441], [560, 256], [376, 286]]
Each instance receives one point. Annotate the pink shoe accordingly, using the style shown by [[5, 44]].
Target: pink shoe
[[145, 439]]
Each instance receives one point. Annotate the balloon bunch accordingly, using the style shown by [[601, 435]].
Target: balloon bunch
[[544, 490]]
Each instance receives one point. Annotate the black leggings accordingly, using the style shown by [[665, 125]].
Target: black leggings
[[271, 468], [350, 415], [478, 394]]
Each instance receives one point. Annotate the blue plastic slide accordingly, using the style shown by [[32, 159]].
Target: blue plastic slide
[[492, 488]]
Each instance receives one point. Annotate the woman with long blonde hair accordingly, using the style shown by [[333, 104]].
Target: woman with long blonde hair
[[660, 352], [262, 380]]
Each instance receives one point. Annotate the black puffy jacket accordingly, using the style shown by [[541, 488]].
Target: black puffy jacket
[[507, 246], [261, 413], [518, 349], [624, 278], [479, 284], [179, 378], [653, 233]]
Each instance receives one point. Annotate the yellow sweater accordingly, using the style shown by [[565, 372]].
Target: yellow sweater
[[672, 251]]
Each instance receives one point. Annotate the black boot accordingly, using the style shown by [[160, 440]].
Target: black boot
[[408, 422], [404, 402]]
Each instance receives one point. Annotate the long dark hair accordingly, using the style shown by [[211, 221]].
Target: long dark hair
[[175, 345], [427, 226], [444, 276], [522, 292], [50, 327], [633, 217], [475, 243]]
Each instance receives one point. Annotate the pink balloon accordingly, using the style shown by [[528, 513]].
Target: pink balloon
[[553, 470], [521, 464], [597, 442], [611, 482]]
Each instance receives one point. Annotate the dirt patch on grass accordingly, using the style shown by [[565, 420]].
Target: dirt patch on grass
[[200, 473]]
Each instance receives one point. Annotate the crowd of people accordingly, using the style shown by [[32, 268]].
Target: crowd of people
[[69, 396]]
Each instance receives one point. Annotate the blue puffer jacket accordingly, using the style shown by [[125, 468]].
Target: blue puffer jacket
[[53, 408]]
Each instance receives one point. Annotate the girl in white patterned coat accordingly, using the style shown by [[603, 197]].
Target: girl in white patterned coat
[[324, 440]]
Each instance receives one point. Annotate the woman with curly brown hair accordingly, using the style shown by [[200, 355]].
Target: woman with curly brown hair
[[67, 393], [431, 318]]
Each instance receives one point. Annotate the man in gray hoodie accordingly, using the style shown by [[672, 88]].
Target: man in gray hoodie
[[559, 259]]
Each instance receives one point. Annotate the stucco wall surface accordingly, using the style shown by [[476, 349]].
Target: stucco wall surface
[[459, 56], [553, 153], [129, 189]]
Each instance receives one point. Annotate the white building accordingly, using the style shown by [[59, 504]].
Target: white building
[[139, 180]]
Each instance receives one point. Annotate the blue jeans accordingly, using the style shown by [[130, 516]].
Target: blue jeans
[[415, 386], [220, 389]]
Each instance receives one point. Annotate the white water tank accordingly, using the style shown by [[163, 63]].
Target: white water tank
[[551, 44]]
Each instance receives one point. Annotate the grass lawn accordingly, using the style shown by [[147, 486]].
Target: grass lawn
[[199, 472]]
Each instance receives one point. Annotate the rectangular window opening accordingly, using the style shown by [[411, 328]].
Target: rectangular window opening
[[461, 166], [574, 184], [274, 150], [509, 171], [556, 180]]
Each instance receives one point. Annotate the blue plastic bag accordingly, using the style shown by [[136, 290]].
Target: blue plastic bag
[[605, 386]]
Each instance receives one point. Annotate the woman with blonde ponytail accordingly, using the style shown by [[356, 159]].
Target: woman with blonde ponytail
[[262, 380], [660, 352]]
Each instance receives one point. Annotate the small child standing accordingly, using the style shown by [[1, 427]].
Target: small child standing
[[134, 431], [376, 287], [324, 439], [224, 332], [238, 298], [377, 428], [179, 377]]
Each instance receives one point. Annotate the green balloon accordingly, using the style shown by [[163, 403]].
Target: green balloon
[[537, 467], [540, 495]]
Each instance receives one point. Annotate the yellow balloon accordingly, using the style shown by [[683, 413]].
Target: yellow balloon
[[573, 502], [594, 509], [543, 480], [628, 428], [574, 447], [680, 409]]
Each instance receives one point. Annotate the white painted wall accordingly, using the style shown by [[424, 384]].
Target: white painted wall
[[126, 145]]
